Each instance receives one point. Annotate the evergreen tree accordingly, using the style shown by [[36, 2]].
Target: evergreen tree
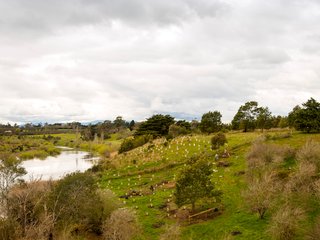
[[157, 125], [307, 118], [211, 122]]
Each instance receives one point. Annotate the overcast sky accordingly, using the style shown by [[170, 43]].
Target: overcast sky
[[83, 60]]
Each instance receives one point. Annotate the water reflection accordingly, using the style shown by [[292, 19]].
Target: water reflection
[[58, 166]]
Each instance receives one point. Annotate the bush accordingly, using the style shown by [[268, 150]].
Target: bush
[[76, 202], [262, 154], [8, 229], [261, 193], [285, 223], [218, 140], [176, 130], [302, 180], [172, 232], [132, 143], [122, 225], [310, 152]]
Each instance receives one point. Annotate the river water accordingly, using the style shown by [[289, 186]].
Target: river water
[[56, 167]]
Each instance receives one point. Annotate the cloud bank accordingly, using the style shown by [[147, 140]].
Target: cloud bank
[[83, 60]]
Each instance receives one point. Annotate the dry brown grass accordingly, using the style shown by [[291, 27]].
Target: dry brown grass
[[262, 154], [310, 152], [172, 232], [315, 231], [302, 181], [285, 223]]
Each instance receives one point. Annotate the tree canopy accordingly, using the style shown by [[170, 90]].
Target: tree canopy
[[156, 126], [307, 117], [211, 122], [194, 183], [246, 116]]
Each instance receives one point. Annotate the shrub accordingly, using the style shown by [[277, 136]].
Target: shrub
[[132, 143], [218, 140], [310, 152], [122, 225], [302, 180], [284, 224], [175, 130], [76, 202], [261, 193], [172, 232], [261, 154], [9, 229]]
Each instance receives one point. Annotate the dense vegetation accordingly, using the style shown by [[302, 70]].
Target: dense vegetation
[[173, 182]]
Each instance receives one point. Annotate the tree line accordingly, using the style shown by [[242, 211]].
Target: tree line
[[250, 116]]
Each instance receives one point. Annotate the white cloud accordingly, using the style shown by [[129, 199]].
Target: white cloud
[[85, 60]]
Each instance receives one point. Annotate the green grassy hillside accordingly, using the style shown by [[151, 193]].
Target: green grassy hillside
[[156, 165]]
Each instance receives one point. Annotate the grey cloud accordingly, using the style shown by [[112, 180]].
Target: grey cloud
[[184, 57], [40, 16]]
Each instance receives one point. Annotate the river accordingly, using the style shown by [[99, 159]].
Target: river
[[56, 167]]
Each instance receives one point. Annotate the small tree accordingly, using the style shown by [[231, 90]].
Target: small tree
[[211, 122], [10, 171], [260, 193], [194, 183]]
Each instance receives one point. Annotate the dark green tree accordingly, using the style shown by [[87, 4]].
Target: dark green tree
[[157, 125], [307, 119], [131, 125], [292, 116], [264, 118], [194, 183], [75, 201], [184, 123], [246, 116], [211, 122], [119, 123]]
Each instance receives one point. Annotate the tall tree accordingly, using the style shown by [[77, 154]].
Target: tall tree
[[157, 125], [246, 116], [292, 116], [308, 117], [264, 118], [211, 122], [119, 123]]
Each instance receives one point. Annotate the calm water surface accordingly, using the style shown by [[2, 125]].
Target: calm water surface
[[56, 167]]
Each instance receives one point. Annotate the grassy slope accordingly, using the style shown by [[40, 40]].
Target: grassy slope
[[157, 159], [154, 163]]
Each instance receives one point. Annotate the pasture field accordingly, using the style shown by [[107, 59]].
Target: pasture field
[[151, 171], [144, 179]]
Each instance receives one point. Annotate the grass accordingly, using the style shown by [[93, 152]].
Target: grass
[[158, 164], [161, 161]]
